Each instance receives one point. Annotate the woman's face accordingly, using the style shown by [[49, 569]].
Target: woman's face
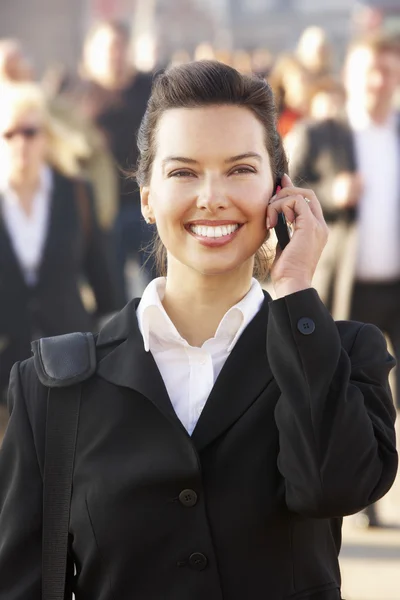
[[210, 186], [23, 143]]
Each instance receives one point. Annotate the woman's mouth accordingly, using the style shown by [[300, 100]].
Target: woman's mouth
[[214, 232], [214, 235]]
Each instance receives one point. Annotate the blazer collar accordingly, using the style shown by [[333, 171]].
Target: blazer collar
[[244, 376]]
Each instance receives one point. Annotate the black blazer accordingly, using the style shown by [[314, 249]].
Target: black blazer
[[75, 247], [297, 431]]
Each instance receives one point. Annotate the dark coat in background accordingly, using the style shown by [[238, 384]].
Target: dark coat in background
[[75, 247], [297, 431]]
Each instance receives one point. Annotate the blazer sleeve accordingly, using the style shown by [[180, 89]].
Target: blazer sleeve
[[100, 264], [335, 414], [21, 493]]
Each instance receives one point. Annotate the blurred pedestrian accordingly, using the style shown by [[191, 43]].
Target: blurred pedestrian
[[114, 95], [96, 164], [290, 82], [262, 62], [222, 435], [49, 236], [315, 52], [204, 51], [242, 61], [327, 99], [14, 64]]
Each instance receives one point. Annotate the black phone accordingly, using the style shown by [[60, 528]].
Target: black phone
[[282, 230]]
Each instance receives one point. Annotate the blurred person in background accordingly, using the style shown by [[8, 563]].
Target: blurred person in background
[[114, 95], [354, 164], [204, 51], [96, 163], [242, 62], [49, 235], [224, 55], [291, 85], [315, 52], [14, 64], [327, 99], [261, 62], [179, 57]]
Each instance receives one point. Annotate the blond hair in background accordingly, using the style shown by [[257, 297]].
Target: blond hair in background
[[66, 148]]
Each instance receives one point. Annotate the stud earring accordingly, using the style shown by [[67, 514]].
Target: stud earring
[[148, 220]]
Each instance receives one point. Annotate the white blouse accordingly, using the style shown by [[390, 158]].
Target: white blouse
[[28, 233]]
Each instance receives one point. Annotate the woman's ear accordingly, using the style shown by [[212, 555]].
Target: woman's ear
[[147, 211]]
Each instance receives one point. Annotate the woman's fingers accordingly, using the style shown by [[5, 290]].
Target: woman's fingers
[[298, 199], [293, 206]]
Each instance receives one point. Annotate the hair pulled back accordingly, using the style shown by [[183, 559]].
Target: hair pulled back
[[207, 83]]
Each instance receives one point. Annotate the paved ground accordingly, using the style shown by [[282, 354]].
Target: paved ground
[[370, 560]]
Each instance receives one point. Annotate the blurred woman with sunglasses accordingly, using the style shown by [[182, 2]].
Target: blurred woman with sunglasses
[[49, 235]]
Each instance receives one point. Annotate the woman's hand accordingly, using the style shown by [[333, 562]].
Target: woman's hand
[[294, 267]]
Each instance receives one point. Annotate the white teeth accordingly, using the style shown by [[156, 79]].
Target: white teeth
[[212, 232]]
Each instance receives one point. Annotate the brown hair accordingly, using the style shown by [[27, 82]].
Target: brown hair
[[207, 83]]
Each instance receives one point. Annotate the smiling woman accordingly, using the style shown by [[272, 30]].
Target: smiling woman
[[222, 435], [220, 97]]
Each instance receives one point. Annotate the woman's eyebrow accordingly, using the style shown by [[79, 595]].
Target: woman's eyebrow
[[183, 159], [232, 159], [243, 156]]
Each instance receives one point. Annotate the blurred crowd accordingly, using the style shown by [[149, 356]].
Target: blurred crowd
[[71, 223]]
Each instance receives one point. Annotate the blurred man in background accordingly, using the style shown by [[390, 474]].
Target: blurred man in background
[[114, 95], [14, 64]]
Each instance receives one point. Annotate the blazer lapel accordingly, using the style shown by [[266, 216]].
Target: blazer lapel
[[129, 365], [244, 376], [55, 221]]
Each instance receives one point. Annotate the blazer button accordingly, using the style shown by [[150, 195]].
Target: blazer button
[[198, 561], [306, 326], [188, 498]]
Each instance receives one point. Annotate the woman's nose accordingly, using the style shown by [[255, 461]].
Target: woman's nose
[[212, 196]]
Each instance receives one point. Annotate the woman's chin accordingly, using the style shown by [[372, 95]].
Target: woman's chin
[[213, 268]]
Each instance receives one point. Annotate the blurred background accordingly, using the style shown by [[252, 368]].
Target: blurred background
[[162, 27], [77, 76]]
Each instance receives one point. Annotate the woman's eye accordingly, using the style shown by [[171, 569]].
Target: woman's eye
[[241, 170], [181, 173]]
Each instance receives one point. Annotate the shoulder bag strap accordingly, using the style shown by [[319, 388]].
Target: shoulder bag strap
[[63, 406]]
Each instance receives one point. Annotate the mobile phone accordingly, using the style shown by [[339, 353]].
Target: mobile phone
[[282, 230]]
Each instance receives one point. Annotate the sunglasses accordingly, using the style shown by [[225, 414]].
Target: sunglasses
[[26, 132]]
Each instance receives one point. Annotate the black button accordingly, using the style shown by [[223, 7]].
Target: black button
[[306, 326], [198, 561], [188, 498]]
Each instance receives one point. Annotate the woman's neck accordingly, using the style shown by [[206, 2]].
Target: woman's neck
[[196, 303], [25, 189]]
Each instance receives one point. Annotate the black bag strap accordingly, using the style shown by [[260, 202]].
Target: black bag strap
[[61, 434], [62, 364]]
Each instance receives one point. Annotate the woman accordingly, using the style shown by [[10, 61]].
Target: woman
[[223, 435], [49, 236]]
